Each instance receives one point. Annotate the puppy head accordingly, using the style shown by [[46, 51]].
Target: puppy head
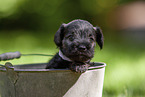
[[77, 40]]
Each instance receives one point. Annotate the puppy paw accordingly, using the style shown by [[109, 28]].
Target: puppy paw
[[79, 68]]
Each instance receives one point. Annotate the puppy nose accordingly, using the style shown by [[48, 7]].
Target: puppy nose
[[82, 48]]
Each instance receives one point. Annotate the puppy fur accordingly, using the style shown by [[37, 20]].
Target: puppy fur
[[76, 41]]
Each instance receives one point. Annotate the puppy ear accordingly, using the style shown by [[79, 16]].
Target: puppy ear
[[59, 35], [99, 37]]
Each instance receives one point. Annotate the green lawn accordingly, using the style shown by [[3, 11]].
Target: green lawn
[[124, 75]]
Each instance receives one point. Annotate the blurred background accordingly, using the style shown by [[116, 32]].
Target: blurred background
[[29, 26]]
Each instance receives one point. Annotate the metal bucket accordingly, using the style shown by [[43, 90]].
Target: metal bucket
[[32, 80]]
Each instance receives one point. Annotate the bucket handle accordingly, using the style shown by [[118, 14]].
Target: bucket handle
[[17, 54], [10, 55], [12, 75]]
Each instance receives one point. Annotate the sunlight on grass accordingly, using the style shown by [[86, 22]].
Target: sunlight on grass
[[26, 43], [125, 74]]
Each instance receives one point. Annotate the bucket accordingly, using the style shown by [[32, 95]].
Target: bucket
[[32, 80]]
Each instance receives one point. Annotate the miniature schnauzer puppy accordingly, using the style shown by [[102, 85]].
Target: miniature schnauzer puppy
[[76, 42]]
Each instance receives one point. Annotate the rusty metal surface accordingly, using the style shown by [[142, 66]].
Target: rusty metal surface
[[33, 81]]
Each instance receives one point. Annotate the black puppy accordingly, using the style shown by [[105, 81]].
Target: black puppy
[[76, 41]]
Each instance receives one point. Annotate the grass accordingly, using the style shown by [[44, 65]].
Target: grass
[[124, 75]]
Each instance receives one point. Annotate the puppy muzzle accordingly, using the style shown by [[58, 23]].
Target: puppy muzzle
[[66, 58]]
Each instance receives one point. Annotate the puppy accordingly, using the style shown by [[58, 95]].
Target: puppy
[[76, 42]]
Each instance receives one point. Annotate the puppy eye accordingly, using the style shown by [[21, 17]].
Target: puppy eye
[[70, 37], [91, 37]]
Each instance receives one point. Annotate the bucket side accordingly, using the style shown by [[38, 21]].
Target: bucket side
[[22, 82], [7, 88], [44, 84], [89, 84]]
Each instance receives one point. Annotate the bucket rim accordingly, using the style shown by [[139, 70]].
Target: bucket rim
[[98, 65]]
